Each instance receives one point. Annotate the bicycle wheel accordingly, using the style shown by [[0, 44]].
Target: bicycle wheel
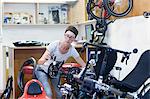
[[120, 7], [96, 9]]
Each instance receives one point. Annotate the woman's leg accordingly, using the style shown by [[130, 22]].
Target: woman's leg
[[42, 77], [55, 82]]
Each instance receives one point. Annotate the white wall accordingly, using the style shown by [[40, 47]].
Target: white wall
[[38, 33], [127, 34]]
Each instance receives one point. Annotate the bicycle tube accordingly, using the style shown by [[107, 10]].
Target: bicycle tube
[[125, 7], [94, 7]]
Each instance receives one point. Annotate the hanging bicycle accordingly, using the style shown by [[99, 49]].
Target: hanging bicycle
[[99, 9]]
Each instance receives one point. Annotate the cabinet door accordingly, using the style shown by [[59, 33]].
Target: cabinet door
[[17, 57], [2, 68]]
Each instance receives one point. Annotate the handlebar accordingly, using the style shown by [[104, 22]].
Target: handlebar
[[108, 48], [125, 53]]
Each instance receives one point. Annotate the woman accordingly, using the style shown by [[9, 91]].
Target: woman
[[62, 50]]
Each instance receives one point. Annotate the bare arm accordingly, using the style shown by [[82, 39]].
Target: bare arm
[[44, 57], [83, 64], [80, 61]]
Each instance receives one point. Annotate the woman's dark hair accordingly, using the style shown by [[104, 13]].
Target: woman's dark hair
[[72, 29]]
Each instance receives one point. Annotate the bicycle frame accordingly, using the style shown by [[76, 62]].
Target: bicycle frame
[[108, 8]]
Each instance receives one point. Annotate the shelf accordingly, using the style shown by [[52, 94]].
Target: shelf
[[36, 13], [83, 23], [42, 1], [35, 24], [86, 22]]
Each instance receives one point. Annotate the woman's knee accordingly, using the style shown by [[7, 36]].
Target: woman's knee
[[42, 77]]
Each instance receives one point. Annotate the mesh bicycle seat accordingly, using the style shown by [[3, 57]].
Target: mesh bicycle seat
[[105, 63], [27, 68], [136, 78], [34, 89]]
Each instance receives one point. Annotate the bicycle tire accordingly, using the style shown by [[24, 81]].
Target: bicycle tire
[[118, 14], [102, 10]]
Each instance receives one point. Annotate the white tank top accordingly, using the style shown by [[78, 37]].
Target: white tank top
[[54, 51]]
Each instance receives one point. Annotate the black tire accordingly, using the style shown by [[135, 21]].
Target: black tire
[[126, 8], [92, 6]]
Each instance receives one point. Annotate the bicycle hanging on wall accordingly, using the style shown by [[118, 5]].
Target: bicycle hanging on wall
[[99, 9]]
